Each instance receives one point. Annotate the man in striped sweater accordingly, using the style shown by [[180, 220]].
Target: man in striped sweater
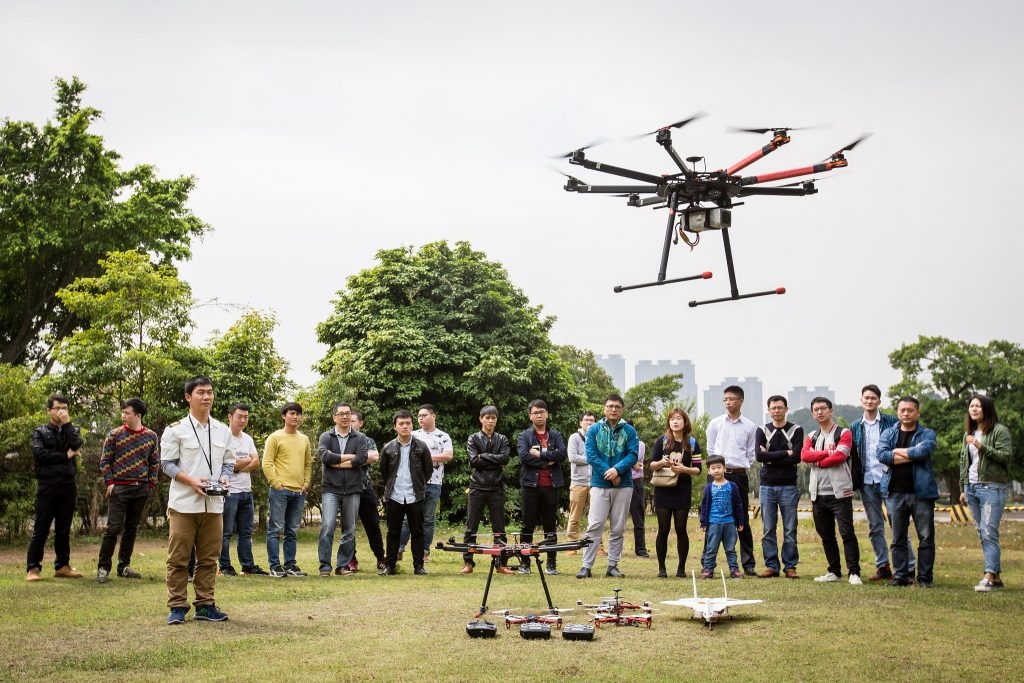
[[130, 464]]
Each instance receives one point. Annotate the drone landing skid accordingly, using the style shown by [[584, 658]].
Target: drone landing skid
[[733, 288], [703, 276]]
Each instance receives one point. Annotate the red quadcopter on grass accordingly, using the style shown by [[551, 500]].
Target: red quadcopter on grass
[[699, 200]]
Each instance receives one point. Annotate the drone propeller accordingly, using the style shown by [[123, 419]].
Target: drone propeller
[[850, 146], [677, 124], [593, 143], [760, 131]]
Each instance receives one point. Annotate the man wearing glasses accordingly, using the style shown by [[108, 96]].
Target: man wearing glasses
[[541, 454], [733, 437]]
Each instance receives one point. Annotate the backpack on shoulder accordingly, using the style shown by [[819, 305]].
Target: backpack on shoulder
[[856, 466]]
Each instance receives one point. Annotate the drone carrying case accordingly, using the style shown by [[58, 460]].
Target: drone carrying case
[[533, 630], [578, 632], [480, 628]]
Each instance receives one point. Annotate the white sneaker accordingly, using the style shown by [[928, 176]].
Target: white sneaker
[[855, 580], [984, 586], [828, 577]]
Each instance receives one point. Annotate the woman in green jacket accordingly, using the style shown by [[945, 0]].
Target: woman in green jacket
[[984, 470]]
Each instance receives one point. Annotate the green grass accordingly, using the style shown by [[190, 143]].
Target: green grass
[[409, 627]]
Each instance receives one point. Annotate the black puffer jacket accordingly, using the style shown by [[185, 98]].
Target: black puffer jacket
[[488, 456], [50, 446]]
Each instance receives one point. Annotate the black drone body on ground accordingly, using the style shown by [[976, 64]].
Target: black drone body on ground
[[699, 200]]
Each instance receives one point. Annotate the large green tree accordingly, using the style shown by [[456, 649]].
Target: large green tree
[[444, 325], [943, 374], [135, 341], [65, 203]]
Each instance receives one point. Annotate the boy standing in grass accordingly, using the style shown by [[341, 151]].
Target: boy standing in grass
[[720, 510]]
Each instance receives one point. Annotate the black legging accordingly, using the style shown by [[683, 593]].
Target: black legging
[[665, 520]]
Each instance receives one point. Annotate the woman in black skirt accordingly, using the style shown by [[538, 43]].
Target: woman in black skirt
[[677, 454]]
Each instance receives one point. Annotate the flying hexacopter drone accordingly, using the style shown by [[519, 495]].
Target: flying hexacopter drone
[[699, 200]]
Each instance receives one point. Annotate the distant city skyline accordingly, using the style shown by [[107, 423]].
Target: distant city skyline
[[709, 399]]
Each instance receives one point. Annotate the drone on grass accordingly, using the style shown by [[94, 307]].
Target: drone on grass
[[619, 612], [700, 200]]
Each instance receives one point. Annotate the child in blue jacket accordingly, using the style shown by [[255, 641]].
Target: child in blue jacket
[[720, 508]]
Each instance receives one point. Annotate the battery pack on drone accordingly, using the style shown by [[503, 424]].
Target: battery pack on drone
[[533, 631], [578, 632], [480, 628]]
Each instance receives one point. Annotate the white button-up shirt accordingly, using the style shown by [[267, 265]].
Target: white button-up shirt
[[733, 440]]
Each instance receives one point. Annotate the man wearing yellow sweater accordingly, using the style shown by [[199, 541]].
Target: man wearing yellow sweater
[[288, 465]]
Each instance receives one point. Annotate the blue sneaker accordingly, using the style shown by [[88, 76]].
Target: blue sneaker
[[177, 616], [209, 613]]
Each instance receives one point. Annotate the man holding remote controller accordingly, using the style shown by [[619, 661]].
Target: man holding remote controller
[[194, 454]]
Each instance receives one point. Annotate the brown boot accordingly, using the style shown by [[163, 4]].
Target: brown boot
[[466, 569], [505, 570], [791, 573], [67, 572], [33, 575]]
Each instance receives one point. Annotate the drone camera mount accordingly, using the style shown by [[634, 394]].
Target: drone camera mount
[[698, 219]]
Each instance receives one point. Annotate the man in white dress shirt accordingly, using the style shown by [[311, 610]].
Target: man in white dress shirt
[[733, 436]]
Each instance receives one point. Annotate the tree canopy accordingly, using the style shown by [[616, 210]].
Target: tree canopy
[[64, 204], [443, 325]]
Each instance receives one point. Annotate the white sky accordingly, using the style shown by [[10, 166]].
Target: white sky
[[322, 132]]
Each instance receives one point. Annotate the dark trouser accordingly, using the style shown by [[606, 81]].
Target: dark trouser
[[124, 512], [369, 515], [412, 513], [739, 477], [829, 512], [495, 503], [637, 505], [238, 516], [665, 519], [55, 504], [905, 506], [540, 504]]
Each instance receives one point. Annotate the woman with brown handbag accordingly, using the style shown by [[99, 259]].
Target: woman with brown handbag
[[674, 461]]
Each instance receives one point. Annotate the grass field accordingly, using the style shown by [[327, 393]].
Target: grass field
[[411, 628]]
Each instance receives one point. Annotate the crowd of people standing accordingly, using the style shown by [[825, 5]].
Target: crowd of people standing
[[886, 458]]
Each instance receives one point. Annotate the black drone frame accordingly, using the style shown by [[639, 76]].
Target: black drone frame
[[502, 552], [687, 190]]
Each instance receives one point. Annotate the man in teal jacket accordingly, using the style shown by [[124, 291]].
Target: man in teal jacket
[[612, 450]]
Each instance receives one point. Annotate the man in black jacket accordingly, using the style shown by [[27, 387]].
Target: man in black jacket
[[343, 452], [56, 446], [406, 465], [541, 454], [488, 454]]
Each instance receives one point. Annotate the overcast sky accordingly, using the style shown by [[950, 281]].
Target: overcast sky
[[322, 132]]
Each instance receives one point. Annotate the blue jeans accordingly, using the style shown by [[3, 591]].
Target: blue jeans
[[871, 497], [902, 508], [986, 502], [330, 504], [431, 494], [774, 499], [238, 512], [286, 509], [726, 535]]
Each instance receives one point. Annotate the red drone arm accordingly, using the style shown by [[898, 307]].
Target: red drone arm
[[794, 172], [779, 140]]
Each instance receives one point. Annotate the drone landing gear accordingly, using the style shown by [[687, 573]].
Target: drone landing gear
[[733, 288], [669, 231]]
